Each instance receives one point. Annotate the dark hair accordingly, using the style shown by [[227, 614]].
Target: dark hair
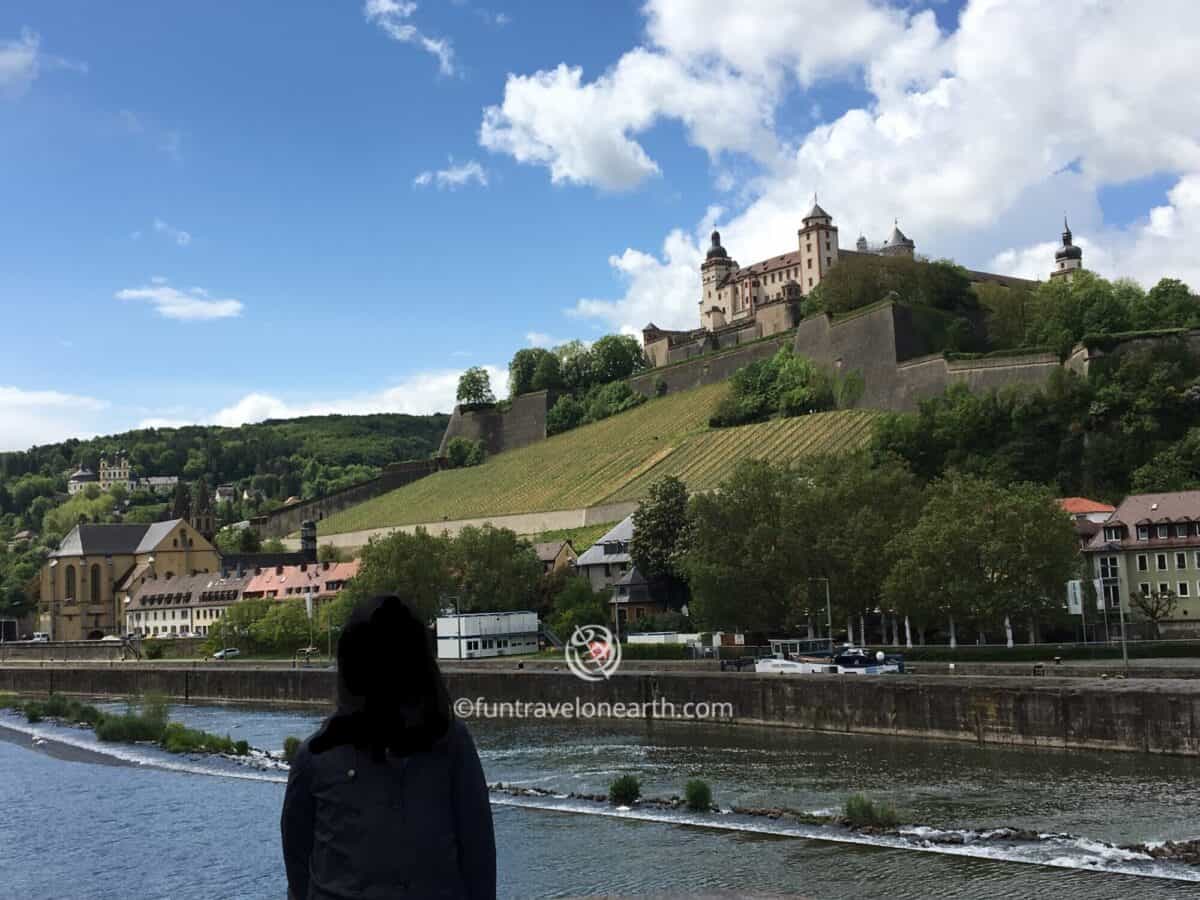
[[395, 698]]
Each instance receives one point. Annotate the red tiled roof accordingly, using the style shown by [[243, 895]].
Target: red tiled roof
[[1081, 506], [294, 582]]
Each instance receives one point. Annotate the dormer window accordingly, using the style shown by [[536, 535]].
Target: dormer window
[[1181, 529], [1163, 531], [1143, 532], [1112, 532]]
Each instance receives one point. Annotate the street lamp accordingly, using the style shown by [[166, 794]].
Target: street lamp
[[828, 611]]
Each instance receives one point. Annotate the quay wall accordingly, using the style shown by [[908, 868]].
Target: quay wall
[[1151, 716]]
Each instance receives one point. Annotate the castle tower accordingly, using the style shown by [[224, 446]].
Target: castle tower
[[861, 244], [898, 244], [714, 271], [818, 247], [1068, 258]]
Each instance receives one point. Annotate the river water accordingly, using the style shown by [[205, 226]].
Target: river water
[[85, 820]]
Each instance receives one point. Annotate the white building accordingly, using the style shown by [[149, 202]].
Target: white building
[[481, 635]]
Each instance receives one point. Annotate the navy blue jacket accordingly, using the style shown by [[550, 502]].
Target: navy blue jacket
[[420, 825]]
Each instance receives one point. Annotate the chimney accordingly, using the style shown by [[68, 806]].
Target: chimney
[[308, 540]]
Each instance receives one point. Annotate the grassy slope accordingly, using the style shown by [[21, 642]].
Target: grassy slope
[[615, 459]]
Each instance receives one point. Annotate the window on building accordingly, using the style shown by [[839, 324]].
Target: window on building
[[1112, 596], [810, 282], [810, 263], [94, 587], [1143, 563], [1112, 532], [1181, 589], [1163, 531], [1181, 560], [1143, 532], [1160, 561], [1181, 529], [1109, 566], [828, 261], [1144, 587]]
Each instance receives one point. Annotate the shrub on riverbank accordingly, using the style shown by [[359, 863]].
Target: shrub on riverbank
[[861, 810], [698, 795], [291, 745], [625, 791]]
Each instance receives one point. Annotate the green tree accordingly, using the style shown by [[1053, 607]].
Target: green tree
[[475, 387], [236, 628], [523, 367], [744, 559], [576, 606], [285, 628], [616, 356], [416, 567], [985, 551], [548, 374], [181, 505], [1007, 313], [660, 539], [494, 570]]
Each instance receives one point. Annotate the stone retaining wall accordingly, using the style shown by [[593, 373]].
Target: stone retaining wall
[[1159, 716]]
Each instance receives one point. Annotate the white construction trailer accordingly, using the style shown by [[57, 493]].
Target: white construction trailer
[[482, 635]]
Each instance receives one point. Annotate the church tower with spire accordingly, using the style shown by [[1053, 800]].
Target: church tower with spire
[[1068, 259]]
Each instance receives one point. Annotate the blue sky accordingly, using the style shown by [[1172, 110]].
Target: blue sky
[[221, 211]]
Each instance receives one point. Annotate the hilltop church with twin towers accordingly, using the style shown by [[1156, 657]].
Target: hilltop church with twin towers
[[739, 303]]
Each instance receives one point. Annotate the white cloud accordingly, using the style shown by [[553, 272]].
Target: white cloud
[[418, 394], [393, 16], [22, 60], [186, 306], [976, 139], [30, 417], [583, 133], [178, 235], [453, 177]]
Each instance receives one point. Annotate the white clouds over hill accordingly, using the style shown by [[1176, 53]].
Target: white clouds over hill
[[976, 138]]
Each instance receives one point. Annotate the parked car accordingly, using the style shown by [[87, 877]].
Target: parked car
[[40, 637], [227, 653], [111, 637]]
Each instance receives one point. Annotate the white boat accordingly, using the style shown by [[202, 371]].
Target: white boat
[[850, 661]]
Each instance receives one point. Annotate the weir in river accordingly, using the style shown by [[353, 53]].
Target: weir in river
[[191, 827]]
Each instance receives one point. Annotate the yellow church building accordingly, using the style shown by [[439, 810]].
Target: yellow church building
[[84, 580]]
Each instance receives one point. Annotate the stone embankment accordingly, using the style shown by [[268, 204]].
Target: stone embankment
[[1153, 716]]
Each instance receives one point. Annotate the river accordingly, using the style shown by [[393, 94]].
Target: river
[[98, 821]]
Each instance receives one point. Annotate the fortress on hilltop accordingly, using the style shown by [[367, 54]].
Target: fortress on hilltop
[[740, 304]]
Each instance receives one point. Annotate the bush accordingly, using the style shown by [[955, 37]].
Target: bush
[[33, 712], [625, 791], [698, 795], [291, 746], [654, 651], [242, 748], [153, 649], [861, 811], [463, 452], [129, 729], [178, 738]]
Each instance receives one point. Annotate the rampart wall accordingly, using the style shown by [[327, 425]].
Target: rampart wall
[[524, 422], [287, 520]]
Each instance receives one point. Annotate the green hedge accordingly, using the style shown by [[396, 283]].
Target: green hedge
[[654, 651], [1047, 652]]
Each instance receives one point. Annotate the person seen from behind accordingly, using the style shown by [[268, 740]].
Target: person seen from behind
[[388, 798]]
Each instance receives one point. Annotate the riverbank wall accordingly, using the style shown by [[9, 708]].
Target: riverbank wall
[[1150, 716]]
